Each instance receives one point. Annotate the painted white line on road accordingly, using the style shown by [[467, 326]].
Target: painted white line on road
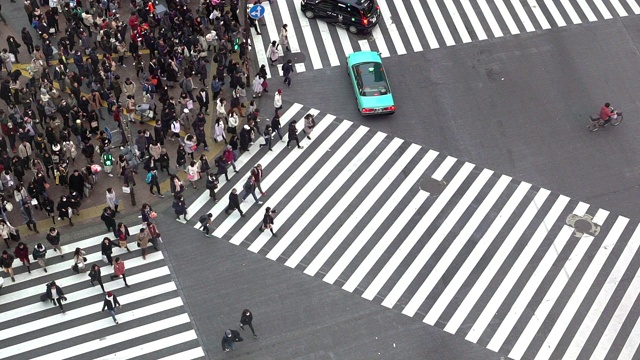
[[291, 32], [457, 21], [523, 15], [334, 60], [572, 13], [535, 8], [506, 16], [634, 6], [424, 24], [380, 42], [587, 10], [440, 21], [396, 40], [312, 48], [408, 25], [195, 353], [344, 40], [488, 15], [473, 18], [364, 45], [619, 9], [603, 9], [155, 345], [261, 52], [557, 17]]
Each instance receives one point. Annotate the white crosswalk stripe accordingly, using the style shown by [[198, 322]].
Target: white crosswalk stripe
[[481, 254], [151, 305], [414, 25]]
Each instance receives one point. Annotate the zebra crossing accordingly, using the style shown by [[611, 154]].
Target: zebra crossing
[[414, 25], [478, 254], [152, 320]]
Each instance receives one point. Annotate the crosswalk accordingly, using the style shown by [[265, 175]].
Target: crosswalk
[[415, 25], [484, 256], [152, 320]]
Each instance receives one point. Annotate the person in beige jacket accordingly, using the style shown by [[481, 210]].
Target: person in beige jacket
[[143, 241], [128, 87]]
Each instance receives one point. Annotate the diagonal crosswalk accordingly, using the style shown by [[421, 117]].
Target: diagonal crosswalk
[[411, 26], [481, 255], [151, 306]]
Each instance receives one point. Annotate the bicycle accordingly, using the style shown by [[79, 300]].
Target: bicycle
[[596, 123]]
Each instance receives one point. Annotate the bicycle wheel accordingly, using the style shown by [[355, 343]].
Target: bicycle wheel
[[593, 126], [618, 120]]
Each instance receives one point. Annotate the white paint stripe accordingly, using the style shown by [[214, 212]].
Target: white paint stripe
[[488, 15], [572, 13], [344, 41], [155, 345], [442, 24], [245, 158], [533, 5], [523, 16], [71, 247], [443, 230], [300, 68], [531, 286], [396, 40], [557, 17], [117, 337], [364, 45], [334, 60], [457, 21], [312, 211], [619, 9], [77, 313], [53, 338], [424, 24], [634, 6], [297, 175], [549, 300], [603, 9], [421, 227], [305, 193], [478, 252], [506, 16], [520, 264], [310, 41], [586, 283], [454, 249], [84, 294], [473, 18], [272, 30], [339, 207], [380, 42], [291, 31], [377, 220], [408, 25], [587, 10], [626, 304], [261, 52], [355, 216], [385, 241], [186, 355], [73, 279]]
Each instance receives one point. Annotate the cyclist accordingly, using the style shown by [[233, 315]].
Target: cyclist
[[606, 113]]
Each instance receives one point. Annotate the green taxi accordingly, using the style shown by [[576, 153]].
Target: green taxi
[[370, 84]]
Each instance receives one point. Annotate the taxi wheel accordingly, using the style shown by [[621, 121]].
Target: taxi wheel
[[309, 14], [353, 29]]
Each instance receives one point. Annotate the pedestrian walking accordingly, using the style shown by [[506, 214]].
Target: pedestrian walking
[[309, 124], [122, 235], [108, 217], [212, 185], [56, 295], [180, 207], [284, 37], [95, 275], [293, 134], [143, 241], [256, 172], [249, 188], [152, 180], [106, 249], [229, 340], [234, 203], [267, 135], [277, 127], [118, 271], [219, 133], [39, 254], [273, 53], [53, 237], [64, 209], [155, 236], [7, 264], [267, 221], [206, 221], [112, 201], [287, 69], [110, 302], [22, 253], [277, 103], [193, 175], [247, 319]]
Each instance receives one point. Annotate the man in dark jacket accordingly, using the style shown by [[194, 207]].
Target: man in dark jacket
[[6, 260], [234, 203], [203, 100], [76, 182], [55, 294], [110, 303], [229, 339]]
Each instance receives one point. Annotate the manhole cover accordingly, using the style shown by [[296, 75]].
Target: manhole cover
[[295, 58], [432, 186], [583, 225]]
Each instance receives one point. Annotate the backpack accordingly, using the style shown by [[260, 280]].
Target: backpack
[[203, 219], [149, 176]]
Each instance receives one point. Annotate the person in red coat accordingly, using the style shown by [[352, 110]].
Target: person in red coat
[[22, 253], [118, 271]]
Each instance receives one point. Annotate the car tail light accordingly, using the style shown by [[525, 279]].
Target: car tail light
[[367, 111], [365, 21], [390, 108]]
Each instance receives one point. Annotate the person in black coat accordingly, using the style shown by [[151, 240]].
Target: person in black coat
[[234, 203], [64, 209], [55, 294], [247, 319], [293, 134], [76, 182], [106, 248], [212, 185], [108, 217], [202, 97], [96, 276], [110, 303], [27, 40], [245, 138], [229, 339], [180, 207]]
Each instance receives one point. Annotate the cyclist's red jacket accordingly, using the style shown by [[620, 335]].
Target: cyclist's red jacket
[[605, 113]]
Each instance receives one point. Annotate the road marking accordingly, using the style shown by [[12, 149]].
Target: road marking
[[272, 30], [634, 6], [587, 10], [261, 52], [478, 252], [328, 43], [457, 21], [396, 40], [523, 16], [391, 265], [619, 9], [364, 45], [291, 32], [603, 9], [344, 40], [557, 17], [521, 263], [424, 24], [533, 5], [380, 42], [155, 345], [194, 353], [313, 210], [408, 25], [586, 284], [339, 207], [312, 48], [506, 16], [456, 246], [572, 13], [488, 15], [442, 24], [381, 214], [473, 18]]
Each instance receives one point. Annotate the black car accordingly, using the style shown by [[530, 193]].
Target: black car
[[357, 16]]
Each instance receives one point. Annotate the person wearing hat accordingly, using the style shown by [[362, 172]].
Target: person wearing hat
[[229, 339], [110, 303]]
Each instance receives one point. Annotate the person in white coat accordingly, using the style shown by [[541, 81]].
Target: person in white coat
[[219, 131], [277, 102], [112, 201], [284, 38], [273, 53], [175, 130], [257, 86]]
